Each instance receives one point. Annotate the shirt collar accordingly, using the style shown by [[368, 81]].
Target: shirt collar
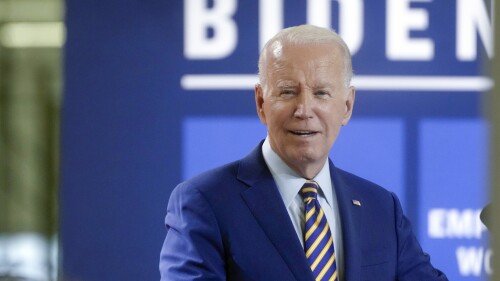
[[288, 181]]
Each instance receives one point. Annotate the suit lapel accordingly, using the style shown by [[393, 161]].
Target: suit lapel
[[264, 201], [350, 216]]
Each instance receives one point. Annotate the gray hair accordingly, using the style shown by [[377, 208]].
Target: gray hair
[[307, 34]]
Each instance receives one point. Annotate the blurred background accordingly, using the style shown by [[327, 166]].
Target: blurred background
[[157, 91], [31, 39]]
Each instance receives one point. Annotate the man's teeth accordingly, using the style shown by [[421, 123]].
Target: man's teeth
[[303, 133]]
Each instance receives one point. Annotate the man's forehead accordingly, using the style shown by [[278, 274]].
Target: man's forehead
[[276, 49], [288, 64], [318, 82], [279, 54], [319, 62], [285, 83]]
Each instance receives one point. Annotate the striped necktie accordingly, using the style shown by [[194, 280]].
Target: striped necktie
[[318, 240]]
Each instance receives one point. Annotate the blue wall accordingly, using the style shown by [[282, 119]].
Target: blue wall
[[134, 124]]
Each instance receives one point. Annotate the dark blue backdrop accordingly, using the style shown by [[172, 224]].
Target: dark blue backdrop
[[131, 131]]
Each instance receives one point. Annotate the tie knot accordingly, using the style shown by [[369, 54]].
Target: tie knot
[[309, 191]]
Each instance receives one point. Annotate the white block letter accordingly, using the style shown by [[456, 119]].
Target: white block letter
[[461, 224], [270, 19], [472, 19], [401, 19], [435, 223], [470, 260], [199, 19], [487, 262], [319, 13]]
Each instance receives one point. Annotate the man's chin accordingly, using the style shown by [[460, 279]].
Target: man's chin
[[304, 160]]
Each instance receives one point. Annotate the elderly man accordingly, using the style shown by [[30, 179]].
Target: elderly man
[[285, 212]]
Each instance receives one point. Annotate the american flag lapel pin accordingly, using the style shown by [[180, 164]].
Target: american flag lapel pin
[[356, 202]]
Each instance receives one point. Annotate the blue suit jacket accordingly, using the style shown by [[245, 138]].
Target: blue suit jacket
[[231, 224]]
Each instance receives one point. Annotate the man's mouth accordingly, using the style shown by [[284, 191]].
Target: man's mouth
[[303, 133]]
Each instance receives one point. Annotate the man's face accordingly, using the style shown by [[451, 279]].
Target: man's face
[[304, 102]]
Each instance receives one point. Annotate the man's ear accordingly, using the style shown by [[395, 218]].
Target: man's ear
[[259, 103], [349, 104]]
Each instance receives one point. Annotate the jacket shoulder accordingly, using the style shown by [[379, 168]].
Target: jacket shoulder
[[214, 179], [355, 181], [368, 190]]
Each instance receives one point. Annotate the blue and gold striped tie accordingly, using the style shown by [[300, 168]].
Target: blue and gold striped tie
[[318, 240]]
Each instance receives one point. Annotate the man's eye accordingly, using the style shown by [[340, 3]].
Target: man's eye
[[322, 93], [287, 93]]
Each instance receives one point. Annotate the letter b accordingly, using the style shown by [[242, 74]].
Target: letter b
[[199, 19]]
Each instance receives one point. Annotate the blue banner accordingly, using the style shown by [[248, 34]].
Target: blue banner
[[158, 91]]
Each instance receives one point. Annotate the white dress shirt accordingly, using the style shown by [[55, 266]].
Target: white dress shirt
[[289, 184]]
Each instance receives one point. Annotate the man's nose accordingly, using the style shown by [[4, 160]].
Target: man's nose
[[303, 109]]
